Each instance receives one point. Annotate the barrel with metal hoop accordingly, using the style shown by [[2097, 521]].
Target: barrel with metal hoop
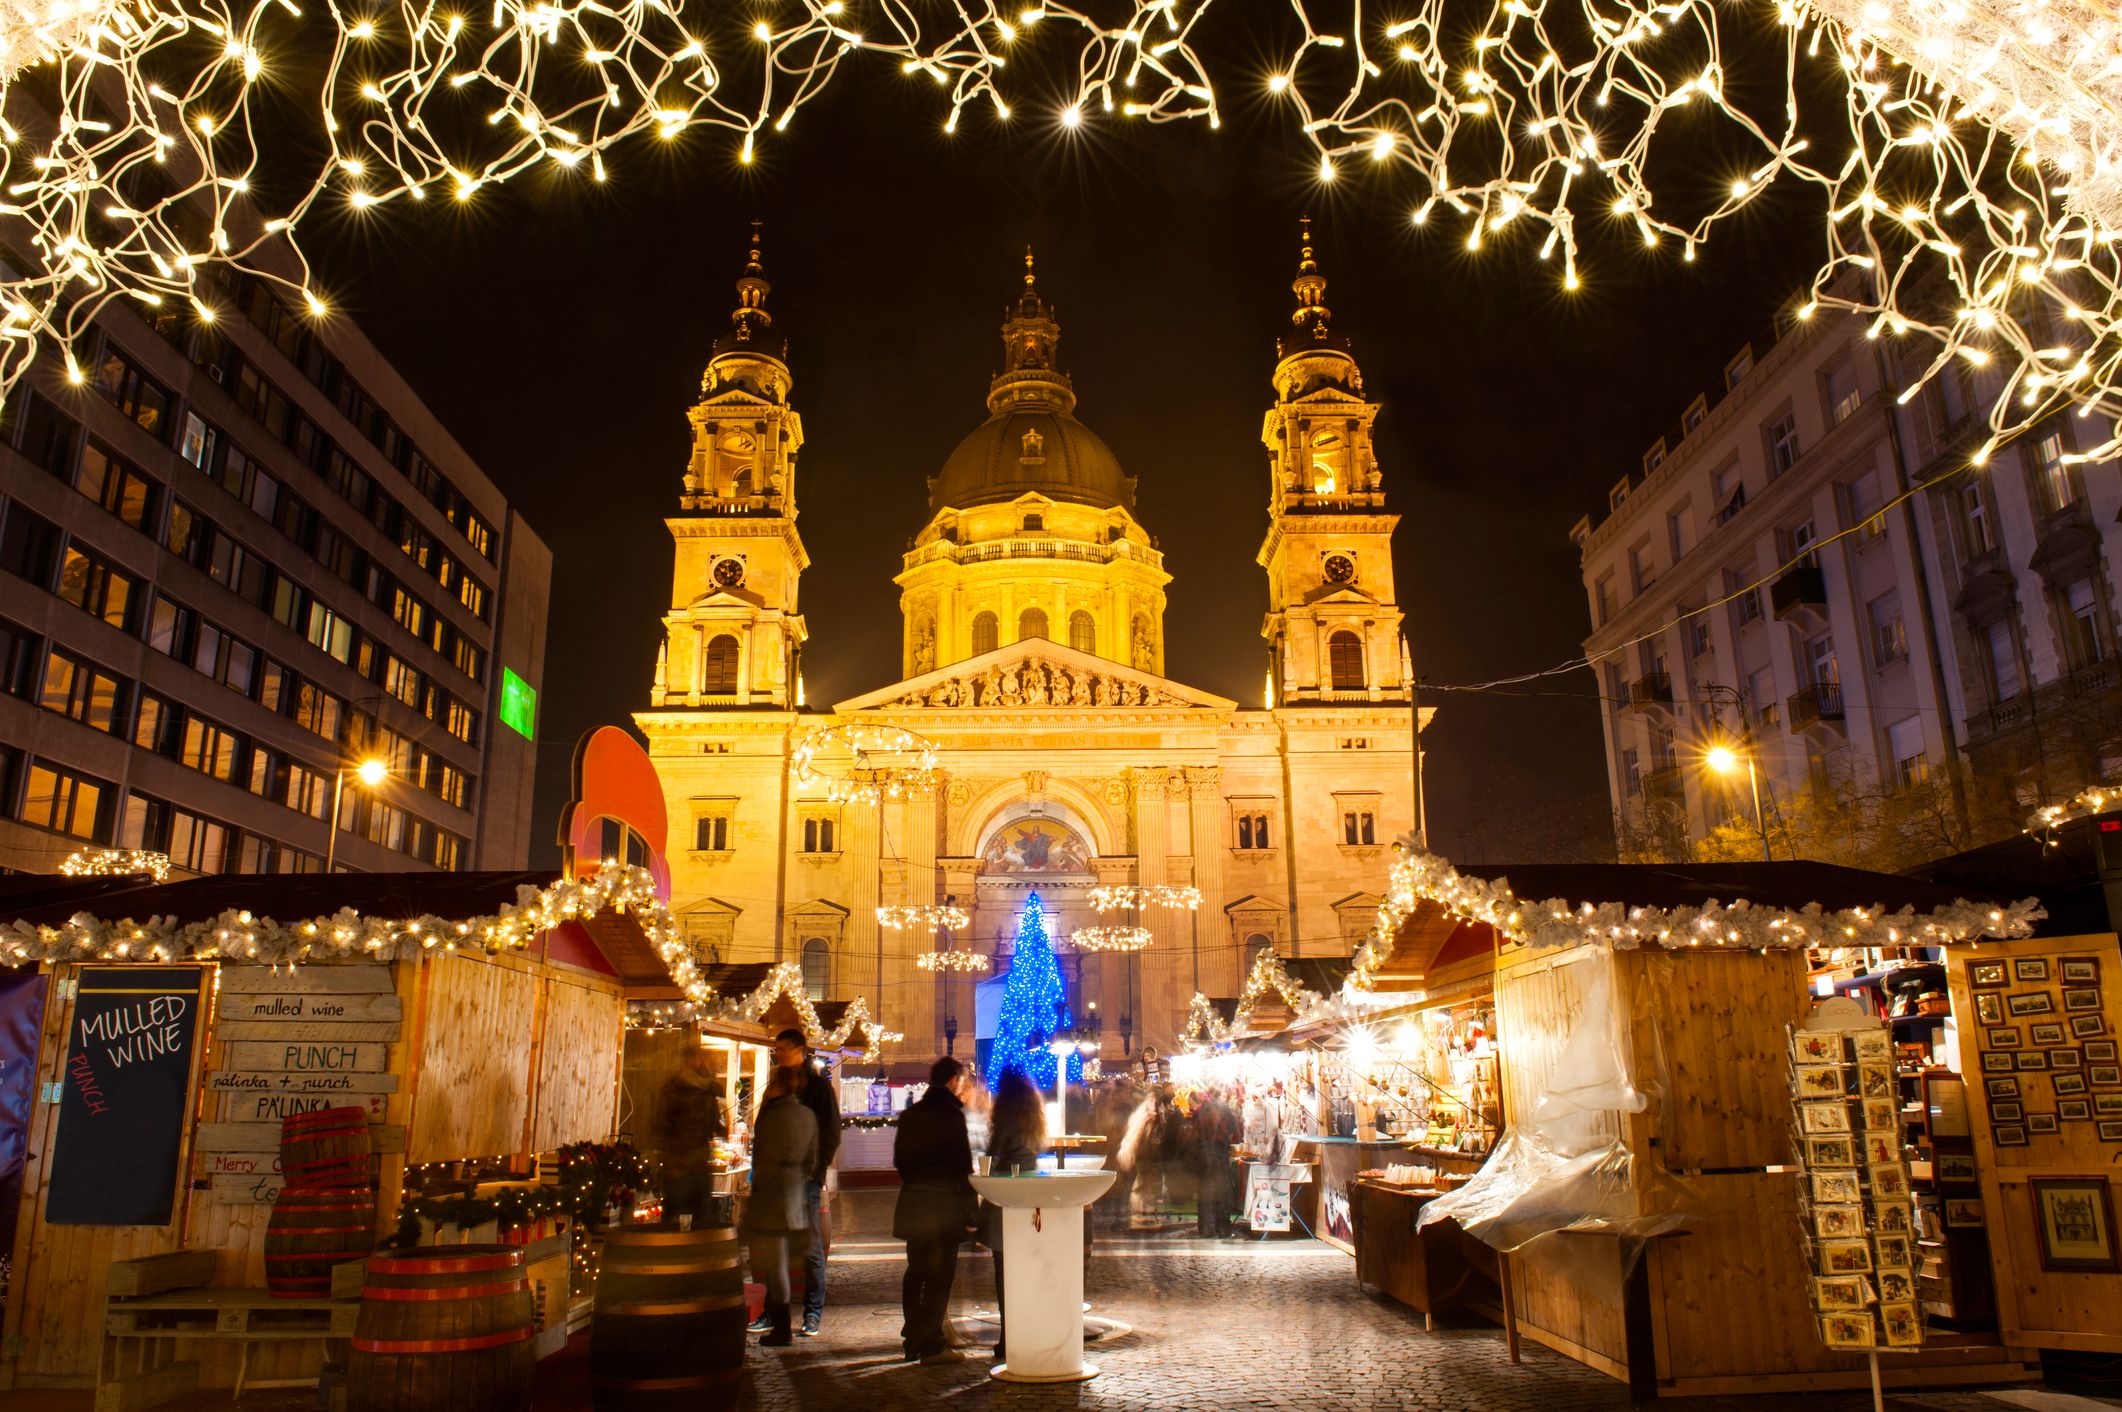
[[444, 1326], [313, 1229], [325, 1147], [669, 1319]]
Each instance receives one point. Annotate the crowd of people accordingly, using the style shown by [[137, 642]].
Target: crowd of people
[[1169, 1151]]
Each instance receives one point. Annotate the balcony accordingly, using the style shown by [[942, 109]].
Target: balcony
[[1800, 592], [1817, 710], [1667, 782], [1651, 694]]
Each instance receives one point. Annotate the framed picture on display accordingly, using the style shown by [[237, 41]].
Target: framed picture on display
[[1820, 1081], [2080, 970], [1873, 1046], [1896, 1284], [2100, 1051], [1848, 1331], [1888, 1180], [1955, 1166], [2065, 1059], [2074, 1110], [1903, 1323], [2107, 1105], [2039, 1123], [2067, 1083], [1875, 1081], [1825, 1117], [1836, 1187], [1963, 1212], [1989, 1007], [2088, 1026], [1945, 1104], [1830, 1152], [2084, 998], [1880, 1114], [2006, 1112], [1893, 1218], [2003, 1037], [2010, 1135], [2076, 1219], [1838, 1222], [1819, 1047], [1844, 1257], [2031, 1058], [1841, 1292], [1988, 975], [1997, 1061], [2050, 1033], [2002, 1088], [2111, 1132], [2030, 970], [2032, 1002], [2105, 1075]]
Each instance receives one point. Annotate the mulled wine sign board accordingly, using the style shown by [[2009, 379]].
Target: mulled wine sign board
[[123, 1096]]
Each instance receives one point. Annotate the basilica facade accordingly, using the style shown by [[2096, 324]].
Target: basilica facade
[[1032, 604]]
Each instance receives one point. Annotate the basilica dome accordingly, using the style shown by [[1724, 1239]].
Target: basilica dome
[[1031, 449]]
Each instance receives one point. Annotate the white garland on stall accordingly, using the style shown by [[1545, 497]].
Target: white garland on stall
[[2098, 799], [116, 862], [347, 935], [1512, 122], [785, 982], [1419, 876]]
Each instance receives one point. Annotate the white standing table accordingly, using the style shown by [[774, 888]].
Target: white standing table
[[1042, 1271]]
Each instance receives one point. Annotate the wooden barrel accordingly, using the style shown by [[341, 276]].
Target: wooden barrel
[[325, 1147], [669, 1319], [443, 1327], [313, 1229]]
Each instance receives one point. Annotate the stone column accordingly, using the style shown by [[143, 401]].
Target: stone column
[[1214, 972], [1114, 971], [1163, 1009], [866, 978], [913, 989]]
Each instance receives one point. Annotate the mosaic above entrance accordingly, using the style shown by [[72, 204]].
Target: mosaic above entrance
[[1036, 846]]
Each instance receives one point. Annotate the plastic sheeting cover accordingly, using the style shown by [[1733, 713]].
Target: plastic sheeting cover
[[1565, 1168]]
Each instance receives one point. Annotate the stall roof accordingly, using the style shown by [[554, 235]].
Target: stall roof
[[2061, 865], [1429, 939], [288, 897]]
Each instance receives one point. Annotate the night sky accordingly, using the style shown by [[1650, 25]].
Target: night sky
[[560, 331]]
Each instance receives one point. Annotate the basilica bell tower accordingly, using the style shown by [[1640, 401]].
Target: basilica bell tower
[[1333, 623], [733, 633]]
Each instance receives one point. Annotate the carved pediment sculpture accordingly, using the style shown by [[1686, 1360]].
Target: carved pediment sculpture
[[1038, 682]]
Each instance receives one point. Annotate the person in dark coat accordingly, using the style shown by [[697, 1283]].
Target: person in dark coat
[[1216, 1131], [1014, 1138], [777, 1218], [791, 1052], [688, 1124], [937, 1208]]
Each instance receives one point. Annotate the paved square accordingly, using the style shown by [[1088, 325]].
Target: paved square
[[1212, 1325]]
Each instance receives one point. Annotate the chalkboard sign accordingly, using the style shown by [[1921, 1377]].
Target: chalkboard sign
[[122, 1096]]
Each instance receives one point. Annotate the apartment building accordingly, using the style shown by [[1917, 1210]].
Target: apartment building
[[1759, 581], [240, 556]]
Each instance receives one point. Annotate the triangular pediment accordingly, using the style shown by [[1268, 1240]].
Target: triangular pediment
[[724, 598], [1254, 902], [1341, 593], [1038, 675], [710, 907]]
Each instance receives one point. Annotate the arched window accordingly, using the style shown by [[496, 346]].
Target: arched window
[[1329, 463], [1344, 656], [1031, 623], [1254, 945], [986, 634], [817, 967], [719, 670], [1082, 631]]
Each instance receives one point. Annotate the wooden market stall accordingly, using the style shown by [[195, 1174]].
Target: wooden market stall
[[1703, 991], [168, 1030]]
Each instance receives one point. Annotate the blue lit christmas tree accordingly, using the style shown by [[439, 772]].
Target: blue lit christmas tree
[[1034, 1006]]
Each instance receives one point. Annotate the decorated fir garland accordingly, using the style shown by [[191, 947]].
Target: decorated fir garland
[[593, 1176]]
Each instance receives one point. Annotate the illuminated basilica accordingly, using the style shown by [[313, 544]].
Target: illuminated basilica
[[1032, 659]]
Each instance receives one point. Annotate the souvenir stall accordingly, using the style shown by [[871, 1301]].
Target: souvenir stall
[[461, 1024], [1645, 1070]]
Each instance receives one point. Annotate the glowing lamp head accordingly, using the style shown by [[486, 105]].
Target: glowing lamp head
[[1721, 758], [371, 772]]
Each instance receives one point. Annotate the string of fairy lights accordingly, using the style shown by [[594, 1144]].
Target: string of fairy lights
[[1970, 184]]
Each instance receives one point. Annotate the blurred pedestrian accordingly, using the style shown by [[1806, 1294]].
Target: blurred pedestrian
[[792, 1052], [1216, 1130], [777, 1218], [689, 1122], [1017, 1132], [937, 1208]]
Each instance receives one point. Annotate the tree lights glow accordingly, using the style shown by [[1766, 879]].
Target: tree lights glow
[[1535, 116], [1034, 1007]]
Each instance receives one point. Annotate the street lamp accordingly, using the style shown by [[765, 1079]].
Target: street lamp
[[369, 773], [1725, 761]]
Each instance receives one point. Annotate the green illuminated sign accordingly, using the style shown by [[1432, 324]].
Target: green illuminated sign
[[519, 704]]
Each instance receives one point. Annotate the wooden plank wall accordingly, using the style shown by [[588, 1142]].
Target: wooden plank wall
[[1569, 1289], [578, 1065], [1713, 1023], [471, 1092]]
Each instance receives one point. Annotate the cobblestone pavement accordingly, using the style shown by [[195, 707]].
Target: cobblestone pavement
[[1213, 1325]]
